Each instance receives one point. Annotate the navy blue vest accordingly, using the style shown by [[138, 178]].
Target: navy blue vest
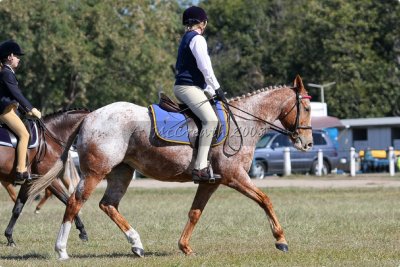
[[186, 67]]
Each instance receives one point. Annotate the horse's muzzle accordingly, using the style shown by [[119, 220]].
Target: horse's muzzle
[[303, 144]]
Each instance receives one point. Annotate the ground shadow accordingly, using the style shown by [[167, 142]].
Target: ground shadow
[[118, 255], [24, 257]]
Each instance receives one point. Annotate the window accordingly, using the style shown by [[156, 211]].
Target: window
[[395, 133], [318, 139], [264, 141], [360, 134], [281, 141]]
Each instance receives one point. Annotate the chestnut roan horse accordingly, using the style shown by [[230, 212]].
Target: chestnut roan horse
[[119, 138], [57, 134]]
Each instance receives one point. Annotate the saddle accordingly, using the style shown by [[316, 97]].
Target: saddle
[[176, 123], [9, 139]]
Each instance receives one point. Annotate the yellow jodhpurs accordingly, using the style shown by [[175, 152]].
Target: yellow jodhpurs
[[16, 125], [198, 102]]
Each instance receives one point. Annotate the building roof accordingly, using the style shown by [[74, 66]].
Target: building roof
[[391, 121], [321, 122], [326, 122]]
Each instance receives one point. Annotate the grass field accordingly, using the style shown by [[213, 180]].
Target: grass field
[[324, 227]]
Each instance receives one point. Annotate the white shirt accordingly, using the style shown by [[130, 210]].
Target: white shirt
[[198, 46]]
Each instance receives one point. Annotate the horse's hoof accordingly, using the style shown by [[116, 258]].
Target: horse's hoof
[[282, 247], [11, 244], [37, 211], [62, 256], [138, 252], [84, 237]]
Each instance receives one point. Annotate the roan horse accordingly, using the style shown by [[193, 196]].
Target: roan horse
[[60, 131], [119, 138]]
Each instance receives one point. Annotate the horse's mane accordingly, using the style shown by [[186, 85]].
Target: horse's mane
[[256, 92], [58, 112]]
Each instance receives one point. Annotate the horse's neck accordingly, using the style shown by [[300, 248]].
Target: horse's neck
[[266, 105], [65, 125]]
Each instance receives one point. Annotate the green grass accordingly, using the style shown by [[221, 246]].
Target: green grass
[[324, 227]]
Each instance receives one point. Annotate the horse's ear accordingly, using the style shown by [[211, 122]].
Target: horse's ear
[[298, 83]]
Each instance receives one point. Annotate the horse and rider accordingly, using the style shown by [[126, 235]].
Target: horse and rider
[[46, 142], [119, 138], [13, 103]]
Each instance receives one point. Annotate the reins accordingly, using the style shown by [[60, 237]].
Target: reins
[[274, 127], [292, 132], [44, 131]]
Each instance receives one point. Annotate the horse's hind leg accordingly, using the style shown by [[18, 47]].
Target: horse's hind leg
[[247, 188], [75, 202], [59, 193], [47, 195], [117, 183], [203, 194]]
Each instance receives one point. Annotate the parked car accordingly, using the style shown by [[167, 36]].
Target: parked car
[[269, 158]]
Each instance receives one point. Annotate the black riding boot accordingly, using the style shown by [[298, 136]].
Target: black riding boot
[[205, 176], [21, 177]]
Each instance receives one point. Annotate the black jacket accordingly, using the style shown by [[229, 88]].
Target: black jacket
[[10, 92]]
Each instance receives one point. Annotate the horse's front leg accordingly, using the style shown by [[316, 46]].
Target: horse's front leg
[[10, 190], [17, 209], [203, 194], [244, 185]]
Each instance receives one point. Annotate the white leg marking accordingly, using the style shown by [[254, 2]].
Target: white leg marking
[[61, 243], [134, 238]]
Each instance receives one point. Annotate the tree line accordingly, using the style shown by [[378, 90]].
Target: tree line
[[89, 53]]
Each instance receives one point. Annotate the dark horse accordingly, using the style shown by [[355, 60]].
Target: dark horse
[[60, 131], [119, 138]]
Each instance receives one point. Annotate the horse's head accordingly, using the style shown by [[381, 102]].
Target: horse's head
[[296, 117]]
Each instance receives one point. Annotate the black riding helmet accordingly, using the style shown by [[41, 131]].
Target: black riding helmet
[[10, 47], [193, 15]]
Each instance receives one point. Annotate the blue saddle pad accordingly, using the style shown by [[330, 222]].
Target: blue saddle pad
[[173, 126], [8, 138]]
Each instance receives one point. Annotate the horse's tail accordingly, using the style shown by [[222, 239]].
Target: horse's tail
[[44, 181]]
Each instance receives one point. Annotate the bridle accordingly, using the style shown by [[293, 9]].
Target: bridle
[[294, 131]]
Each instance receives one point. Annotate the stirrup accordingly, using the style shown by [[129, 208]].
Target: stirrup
[[205, 175], [21, 177]]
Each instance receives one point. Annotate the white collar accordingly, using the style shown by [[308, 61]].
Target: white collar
[[9, 68]]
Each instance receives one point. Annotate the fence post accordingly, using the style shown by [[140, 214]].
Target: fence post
[[287, 167], [391, 159], [320, 162], [352, 161]]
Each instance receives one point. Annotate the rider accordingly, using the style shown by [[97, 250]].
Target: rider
[[195, 82], [11, 100]]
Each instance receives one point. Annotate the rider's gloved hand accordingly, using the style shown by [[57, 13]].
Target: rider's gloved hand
[[209, 91], [35, 113], [220, 95]]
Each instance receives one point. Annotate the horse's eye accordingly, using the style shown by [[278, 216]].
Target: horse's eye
[[307, 109]]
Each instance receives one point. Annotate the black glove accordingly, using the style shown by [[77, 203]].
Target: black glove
[[220, 95]]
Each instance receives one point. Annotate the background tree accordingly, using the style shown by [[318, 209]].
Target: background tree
[[94, 52], [91, 53]]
